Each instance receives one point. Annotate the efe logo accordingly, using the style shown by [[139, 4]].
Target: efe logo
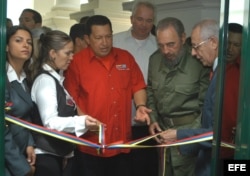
[[237, 167]]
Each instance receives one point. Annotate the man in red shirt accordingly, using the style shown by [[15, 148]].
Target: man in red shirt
[[231, 87], [102, 80]]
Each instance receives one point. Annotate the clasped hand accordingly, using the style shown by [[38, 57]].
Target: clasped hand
[[167, 136], [164, 137]]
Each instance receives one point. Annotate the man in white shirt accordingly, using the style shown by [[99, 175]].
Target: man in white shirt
[[139, 41]]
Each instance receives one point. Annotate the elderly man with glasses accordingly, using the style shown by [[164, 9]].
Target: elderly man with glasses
[[205, 44]]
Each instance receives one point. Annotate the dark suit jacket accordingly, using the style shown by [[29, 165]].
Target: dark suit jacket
[[202, 149], [20, 137], [22, 108], [15, 163]]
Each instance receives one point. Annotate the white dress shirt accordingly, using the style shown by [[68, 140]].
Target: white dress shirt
[[12, 76], [140, 49], [44, 94]]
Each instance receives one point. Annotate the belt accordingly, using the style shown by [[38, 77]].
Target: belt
[[177, 121]]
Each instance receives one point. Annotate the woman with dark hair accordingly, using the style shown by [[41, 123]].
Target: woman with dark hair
[[19, 156], [56, 107]]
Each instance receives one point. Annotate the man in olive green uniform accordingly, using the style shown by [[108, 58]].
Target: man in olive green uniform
[[177, 84]]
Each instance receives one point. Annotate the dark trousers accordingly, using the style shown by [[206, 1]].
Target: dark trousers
[[51, 165], [89, 165], [143, 161]]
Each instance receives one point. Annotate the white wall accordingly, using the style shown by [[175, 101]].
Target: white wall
[[236, 11], [15, 7]]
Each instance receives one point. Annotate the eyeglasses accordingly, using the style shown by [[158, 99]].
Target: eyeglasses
[[196, 47]]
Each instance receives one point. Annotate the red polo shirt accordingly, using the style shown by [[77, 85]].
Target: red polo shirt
[[103, 88], [230, 107]]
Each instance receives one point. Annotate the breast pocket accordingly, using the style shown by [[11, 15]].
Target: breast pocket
[[125, 79], [187, 89], [155, 89]]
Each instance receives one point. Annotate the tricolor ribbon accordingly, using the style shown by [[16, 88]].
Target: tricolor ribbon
[[50, 132], [194, 139], [101, 145]]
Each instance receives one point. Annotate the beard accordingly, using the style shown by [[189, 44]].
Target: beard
[[173, 62]]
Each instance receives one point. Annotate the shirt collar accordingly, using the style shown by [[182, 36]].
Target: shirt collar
[[215, 64], [93, 57], [129, 35], [59, 76], [12, 76]]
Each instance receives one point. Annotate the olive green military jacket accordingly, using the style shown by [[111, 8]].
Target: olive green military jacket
[[178, 91]]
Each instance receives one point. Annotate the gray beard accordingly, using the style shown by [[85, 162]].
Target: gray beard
[[172, 63]]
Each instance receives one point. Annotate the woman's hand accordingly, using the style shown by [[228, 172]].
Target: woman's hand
[[92, 124], [31, 156]]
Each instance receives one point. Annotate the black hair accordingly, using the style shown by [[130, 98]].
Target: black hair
[[84, 19], [10, 32], [9, 23], [235, 27], [97, 20], [36, 15], [77, 30], [171, 21], [8, 20]]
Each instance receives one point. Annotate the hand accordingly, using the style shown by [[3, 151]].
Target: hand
[[142, 115], [92, 123], [154, 128], [31, 156], [168, 136]]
